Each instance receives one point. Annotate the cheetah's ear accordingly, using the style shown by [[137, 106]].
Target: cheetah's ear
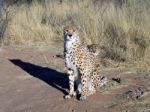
[[64, 29], [79, 28]]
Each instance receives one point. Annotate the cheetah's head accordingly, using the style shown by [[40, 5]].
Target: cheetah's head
[[94, 49], [71, 33]]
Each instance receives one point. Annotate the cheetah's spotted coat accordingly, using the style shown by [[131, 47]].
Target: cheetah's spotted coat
[[80, 63]]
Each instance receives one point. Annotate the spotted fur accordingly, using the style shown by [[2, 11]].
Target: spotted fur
[[81, 65], [94, 49]]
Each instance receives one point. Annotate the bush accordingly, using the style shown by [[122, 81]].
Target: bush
[[121, 29]]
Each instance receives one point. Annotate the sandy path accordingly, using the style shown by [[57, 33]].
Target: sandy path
[[34, 81]]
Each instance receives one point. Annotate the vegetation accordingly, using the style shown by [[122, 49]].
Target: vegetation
[[119, 27]]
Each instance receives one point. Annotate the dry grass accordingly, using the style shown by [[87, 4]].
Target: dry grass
[[121, 30]]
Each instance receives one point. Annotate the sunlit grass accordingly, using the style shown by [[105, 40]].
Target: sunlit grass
[[121, 32]]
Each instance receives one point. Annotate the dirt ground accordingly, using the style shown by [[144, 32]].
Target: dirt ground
[[34, 80]]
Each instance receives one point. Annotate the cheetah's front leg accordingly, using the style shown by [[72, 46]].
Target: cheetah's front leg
[[84, 90], [71, 85]]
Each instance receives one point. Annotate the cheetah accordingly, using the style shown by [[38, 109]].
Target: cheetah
[[80, 63], [94, 49]]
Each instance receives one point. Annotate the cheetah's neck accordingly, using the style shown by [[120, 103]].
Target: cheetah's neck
[[69, 46]]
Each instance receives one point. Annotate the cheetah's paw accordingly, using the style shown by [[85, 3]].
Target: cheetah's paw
[[67, 97], [70, 96], [82, 98]]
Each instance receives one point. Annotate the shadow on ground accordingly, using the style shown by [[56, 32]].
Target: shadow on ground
[[52, 77]]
